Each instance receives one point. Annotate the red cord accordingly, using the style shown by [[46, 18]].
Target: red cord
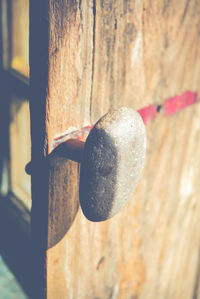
[[170, 106]]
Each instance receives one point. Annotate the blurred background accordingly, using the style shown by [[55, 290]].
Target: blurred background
[[15, 152]]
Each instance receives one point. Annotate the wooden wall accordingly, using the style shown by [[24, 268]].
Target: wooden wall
[[100, 55]]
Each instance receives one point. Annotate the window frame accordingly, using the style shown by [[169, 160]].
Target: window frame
[[16, 218]]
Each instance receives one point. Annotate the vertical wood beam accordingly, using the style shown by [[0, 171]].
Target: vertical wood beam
[[39, 74], [61, 48]]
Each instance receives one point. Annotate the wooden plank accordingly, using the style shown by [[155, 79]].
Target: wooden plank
[[106, 54], [144, 52], [39, 41], [60, 75]]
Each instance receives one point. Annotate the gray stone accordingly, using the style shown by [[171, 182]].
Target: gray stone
[[113, 159]]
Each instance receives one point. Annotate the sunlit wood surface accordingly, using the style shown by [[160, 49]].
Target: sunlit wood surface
[[104, 54]]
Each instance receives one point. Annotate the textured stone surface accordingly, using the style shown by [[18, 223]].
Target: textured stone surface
[[113, 159]]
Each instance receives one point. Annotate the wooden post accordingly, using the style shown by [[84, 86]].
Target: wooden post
[[86, 57]]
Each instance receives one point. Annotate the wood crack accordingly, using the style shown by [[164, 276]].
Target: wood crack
[[93, 57], [197, 279], [185, 12]]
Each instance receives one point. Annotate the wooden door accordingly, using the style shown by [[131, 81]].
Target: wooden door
[[85, 58]]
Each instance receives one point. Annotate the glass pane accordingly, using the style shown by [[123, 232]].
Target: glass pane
[[20, 36], [20, 150]]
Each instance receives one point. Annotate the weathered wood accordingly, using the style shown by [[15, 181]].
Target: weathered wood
[[106, 54]]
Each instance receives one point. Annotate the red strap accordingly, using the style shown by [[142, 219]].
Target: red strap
[[149, 113], [179, 102]]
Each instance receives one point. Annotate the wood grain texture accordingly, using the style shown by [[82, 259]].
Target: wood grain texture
[[105, 54]]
